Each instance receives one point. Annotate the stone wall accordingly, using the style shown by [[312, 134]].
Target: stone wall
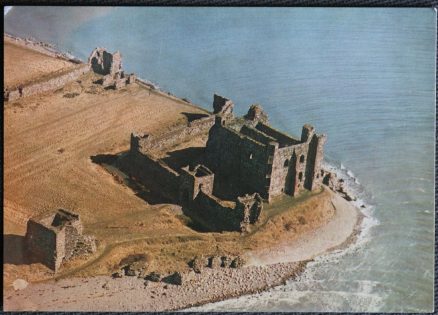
[[281, 138], [47, 85], [197, 127], [288, 170], [250, 207], [103, 62], [240, 160], [209, 209], [153, 172], [192, 181], [222, 105], [258, 158], [243, 156], [256, 135], [52, 239], [44, 244]]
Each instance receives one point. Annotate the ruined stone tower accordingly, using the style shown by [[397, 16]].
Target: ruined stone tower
[[56, 237], [259, 158]]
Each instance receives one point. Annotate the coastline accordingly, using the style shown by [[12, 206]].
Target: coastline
[[105, 293], [43, 47], [102, 293]]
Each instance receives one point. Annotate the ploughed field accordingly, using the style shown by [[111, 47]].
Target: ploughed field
[[22, 66], [49, 144]]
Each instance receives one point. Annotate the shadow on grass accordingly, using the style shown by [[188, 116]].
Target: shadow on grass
[[110, 162], [194, 116], [180, 158], [14, 250]]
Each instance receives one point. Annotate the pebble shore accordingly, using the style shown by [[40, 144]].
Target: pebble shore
[[103, 293]]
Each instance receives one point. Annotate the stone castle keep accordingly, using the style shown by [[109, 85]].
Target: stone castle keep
[[244, 163]]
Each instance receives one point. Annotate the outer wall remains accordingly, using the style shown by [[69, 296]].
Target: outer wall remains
[[45, 86]]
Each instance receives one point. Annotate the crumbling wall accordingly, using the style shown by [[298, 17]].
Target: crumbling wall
[[256, 135], [209, 209], [153, 173], [238, 159], [288, 170], [45, 86], [256, 114], [44, 244], [52, 239], [316, 155], [250, 208], [146, 143], [222, 106], [283, 139], [103, 62], [194, 180]]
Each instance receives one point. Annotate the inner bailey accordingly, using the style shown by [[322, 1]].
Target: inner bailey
[[56, 237]]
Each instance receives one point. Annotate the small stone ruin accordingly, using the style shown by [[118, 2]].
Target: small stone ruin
[[57, 237], [110, 66]]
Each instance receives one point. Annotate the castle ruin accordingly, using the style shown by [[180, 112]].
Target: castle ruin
[[54, 238], [245, 163], [110, 66], [249, 155]]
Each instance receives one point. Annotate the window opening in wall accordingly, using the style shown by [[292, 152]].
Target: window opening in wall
[[300, 176], [302, 158], [286, 163]]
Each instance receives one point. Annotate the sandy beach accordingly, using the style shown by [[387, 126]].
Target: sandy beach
[[338, 233]]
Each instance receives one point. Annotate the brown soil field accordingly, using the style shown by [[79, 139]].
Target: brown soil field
[[22, 65], [49, 141]]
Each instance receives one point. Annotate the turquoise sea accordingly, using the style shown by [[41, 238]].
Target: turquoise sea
[[365, 77]]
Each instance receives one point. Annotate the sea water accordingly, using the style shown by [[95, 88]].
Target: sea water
[[365, 77]]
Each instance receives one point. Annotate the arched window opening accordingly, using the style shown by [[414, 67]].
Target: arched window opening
[[286, 163], [302, 158], [300, 176]]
